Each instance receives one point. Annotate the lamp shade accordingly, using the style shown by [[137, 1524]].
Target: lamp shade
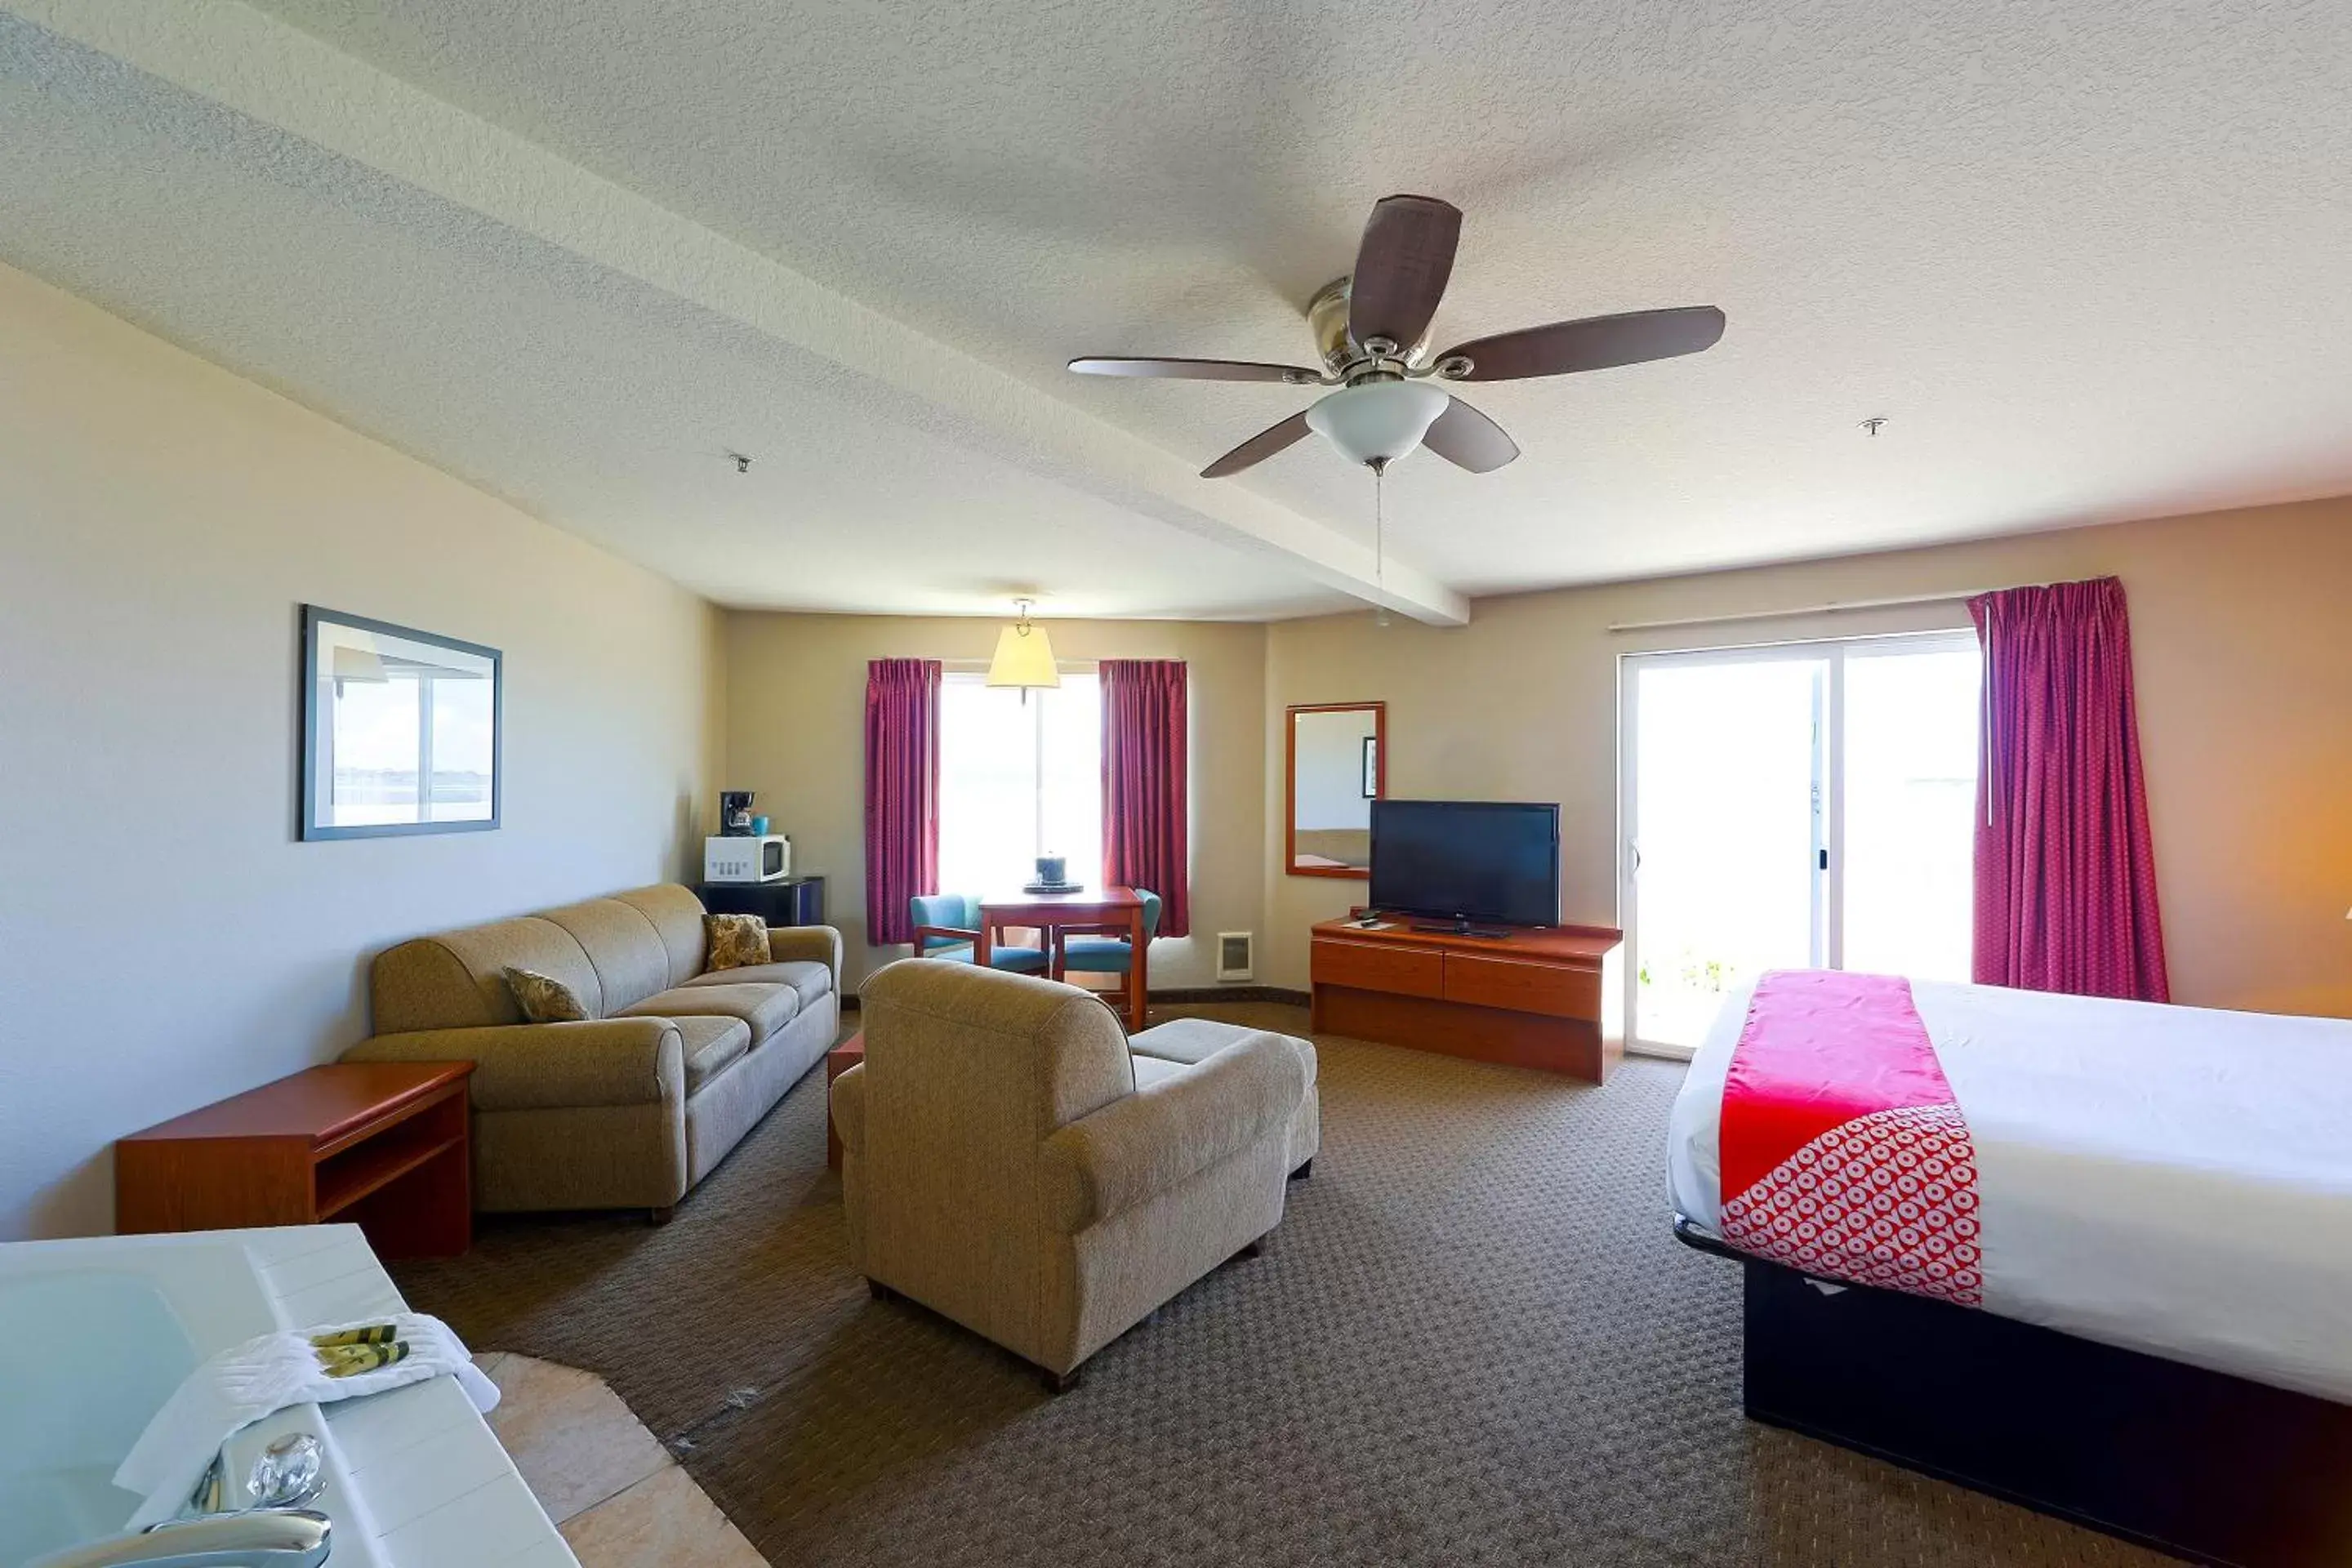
[[1023, 658], [1379, 421]]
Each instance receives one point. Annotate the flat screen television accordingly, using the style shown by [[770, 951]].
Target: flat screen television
[[1466, 861]]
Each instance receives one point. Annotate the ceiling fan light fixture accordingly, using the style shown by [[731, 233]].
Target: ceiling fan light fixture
[[1371, 333], [1379, 421]]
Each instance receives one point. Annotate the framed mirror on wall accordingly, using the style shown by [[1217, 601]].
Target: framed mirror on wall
[[1337, 766], [400, 730]]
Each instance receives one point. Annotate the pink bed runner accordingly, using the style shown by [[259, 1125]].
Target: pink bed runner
[[1844, 1154]]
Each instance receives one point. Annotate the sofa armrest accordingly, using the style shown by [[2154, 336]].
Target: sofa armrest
[[547, 1067], [1144, 1143], [807, 945]]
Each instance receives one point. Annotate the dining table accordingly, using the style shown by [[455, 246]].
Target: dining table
[[1109, 908]]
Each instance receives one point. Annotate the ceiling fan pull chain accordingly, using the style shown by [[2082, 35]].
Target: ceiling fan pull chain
[[1379, 543]]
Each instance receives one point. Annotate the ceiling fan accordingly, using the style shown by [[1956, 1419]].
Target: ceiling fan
[[1373, 328]]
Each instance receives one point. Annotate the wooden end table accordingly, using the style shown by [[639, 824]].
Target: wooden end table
[[384, 1144], [838, 1060]]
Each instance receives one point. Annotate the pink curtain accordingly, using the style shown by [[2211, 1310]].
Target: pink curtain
[[1145, 761], [902, 793], [2065, 896]]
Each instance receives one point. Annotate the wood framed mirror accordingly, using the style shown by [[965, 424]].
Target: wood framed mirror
[[1338, 766]]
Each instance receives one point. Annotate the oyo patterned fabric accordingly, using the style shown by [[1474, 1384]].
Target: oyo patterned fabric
[[1887, 1199], [1844, 1153]]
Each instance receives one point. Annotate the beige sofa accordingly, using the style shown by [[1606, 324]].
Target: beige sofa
[[1007, 1162], [632, 1107]]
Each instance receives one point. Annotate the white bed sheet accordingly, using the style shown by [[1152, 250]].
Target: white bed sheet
[[2175, 1180]]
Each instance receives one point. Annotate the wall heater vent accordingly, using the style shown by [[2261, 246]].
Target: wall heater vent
[[1236, 956]]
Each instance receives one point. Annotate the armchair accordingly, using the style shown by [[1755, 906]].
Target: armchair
[[1006, 1161], [947, 925]]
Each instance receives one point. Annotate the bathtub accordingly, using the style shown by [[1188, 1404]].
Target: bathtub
[[96, 1334]]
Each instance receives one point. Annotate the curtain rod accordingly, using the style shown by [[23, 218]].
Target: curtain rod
[[1834, 607]]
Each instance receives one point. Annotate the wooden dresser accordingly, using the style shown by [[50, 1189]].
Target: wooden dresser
[[1530, 998]]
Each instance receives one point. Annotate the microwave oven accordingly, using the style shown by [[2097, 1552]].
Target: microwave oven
[[747, 858]]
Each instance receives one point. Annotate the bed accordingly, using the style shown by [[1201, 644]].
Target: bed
[[2124, 1291], [1332, 848]]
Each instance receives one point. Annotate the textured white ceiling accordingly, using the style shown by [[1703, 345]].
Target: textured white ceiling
[[2086, 259], [593, 400]]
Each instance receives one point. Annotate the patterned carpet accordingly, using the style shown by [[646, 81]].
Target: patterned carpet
[[1471, 1342]]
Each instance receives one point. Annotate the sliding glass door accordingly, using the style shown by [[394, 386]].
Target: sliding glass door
[[1727, 793], [1804, 805], [1909, 792]]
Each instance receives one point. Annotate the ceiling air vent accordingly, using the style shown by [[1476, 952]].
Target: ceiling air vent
[[1236, 956]]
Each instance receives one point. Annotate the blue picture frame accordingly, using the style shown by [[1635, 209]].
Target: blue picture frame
[[355, 637]]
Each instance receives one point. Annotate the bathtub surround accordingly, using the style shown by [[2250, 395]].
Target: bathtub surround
[[415, 1477], [161, 523], [271, 1371]]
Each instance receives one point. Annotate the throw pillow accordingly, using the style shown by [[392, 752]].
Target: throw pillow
[[737, 942], [543, 998]]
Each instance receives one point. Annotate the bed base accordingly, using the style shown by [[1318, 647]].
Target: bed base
[[2196, 1463]]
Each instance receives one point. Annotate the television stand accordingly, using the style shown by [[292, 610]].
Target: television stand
[[1525, 996], [1462, 927]]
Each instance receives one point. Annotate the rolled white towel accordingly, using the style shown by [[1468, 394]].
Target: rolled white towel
[[264, 1375]]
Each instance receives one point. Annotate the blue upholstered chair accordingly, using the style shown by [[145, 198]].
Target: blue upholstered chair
[[947, 924], [1098, 953]]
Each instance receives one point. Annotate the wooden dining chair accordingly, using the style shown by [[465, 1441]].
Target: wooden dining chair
[[1102, 950]]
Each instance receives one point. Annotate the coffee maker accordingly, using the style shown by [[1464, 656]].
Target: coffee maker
[[735, 814]]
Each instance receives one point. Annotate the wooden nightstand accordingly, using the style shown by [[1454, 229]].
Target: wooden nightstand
[[383, 1144]]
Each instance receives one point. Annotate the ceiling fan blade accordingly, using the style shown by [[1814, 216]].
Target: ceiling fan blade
[[1197, 370], [1468, 439], [1402, 267], [1596, 342], [1258, 448]]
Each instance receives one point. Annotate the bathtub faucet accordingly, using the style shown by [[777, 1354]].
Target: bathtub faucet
[[261, 1538]]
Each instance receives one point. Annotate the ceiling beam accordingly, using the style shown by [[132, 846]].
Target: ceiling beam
[[278, 75]]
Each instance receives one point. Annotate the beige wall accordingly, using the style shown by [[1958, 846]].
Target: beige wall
[[163, 939], [2241, 628], [795, 731]]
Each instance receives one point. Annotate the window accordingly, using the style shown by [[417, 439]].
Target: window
[[1018, 780], [1811, 805]]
